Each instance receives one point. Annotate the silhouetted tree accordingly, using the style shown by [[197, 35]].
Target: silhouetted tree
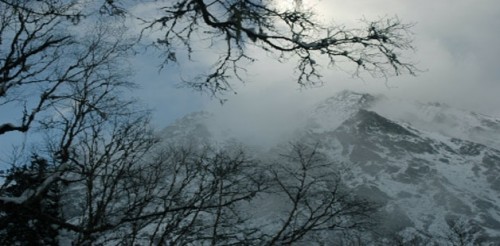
[[289, 34], [63, 83], [62, 72], [318, 206], [462, 232], [23, 225]]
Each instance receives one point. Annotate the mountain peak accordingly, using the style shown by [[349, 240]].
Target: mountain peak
[[348, 98], [406, 156], [331, 112], [366, 120], [190, 129]]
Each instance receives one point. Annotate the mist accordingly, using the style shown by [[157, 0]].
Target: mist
[[456, 53], [410, 160]]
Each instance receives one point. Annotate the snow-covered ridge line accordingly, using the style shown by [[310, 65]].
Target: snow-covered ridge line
[[427, 164]]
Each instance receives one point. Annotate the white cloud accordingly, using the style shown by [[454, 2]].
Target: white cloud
[[456, 48]]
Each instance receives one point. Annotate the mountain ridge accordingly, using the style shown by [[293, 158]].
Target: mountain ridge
[[423, 178]]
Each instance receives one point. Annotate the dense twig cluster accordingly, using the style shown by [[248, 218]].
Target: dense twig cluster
[[376, 48]]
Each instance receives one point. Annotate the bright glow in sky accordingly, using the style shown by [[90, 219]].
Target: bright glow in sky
[[456, 49]]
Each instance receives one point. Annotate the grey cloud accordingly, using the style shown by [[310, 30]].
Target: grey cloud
[[456, 45]]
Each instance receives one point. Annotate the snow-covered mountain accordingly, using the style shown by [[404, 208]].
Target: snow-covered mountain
[[427, 165]]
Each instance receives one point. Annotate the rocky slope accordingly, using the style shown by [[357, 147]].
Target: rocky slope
[[427, 167]]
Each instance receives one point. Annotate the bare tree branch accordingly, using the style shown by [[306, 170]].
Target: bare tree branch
[[378, 48]]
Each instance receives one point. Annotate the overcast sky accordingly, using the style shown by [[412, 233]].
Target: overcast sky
[[457, 49]]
